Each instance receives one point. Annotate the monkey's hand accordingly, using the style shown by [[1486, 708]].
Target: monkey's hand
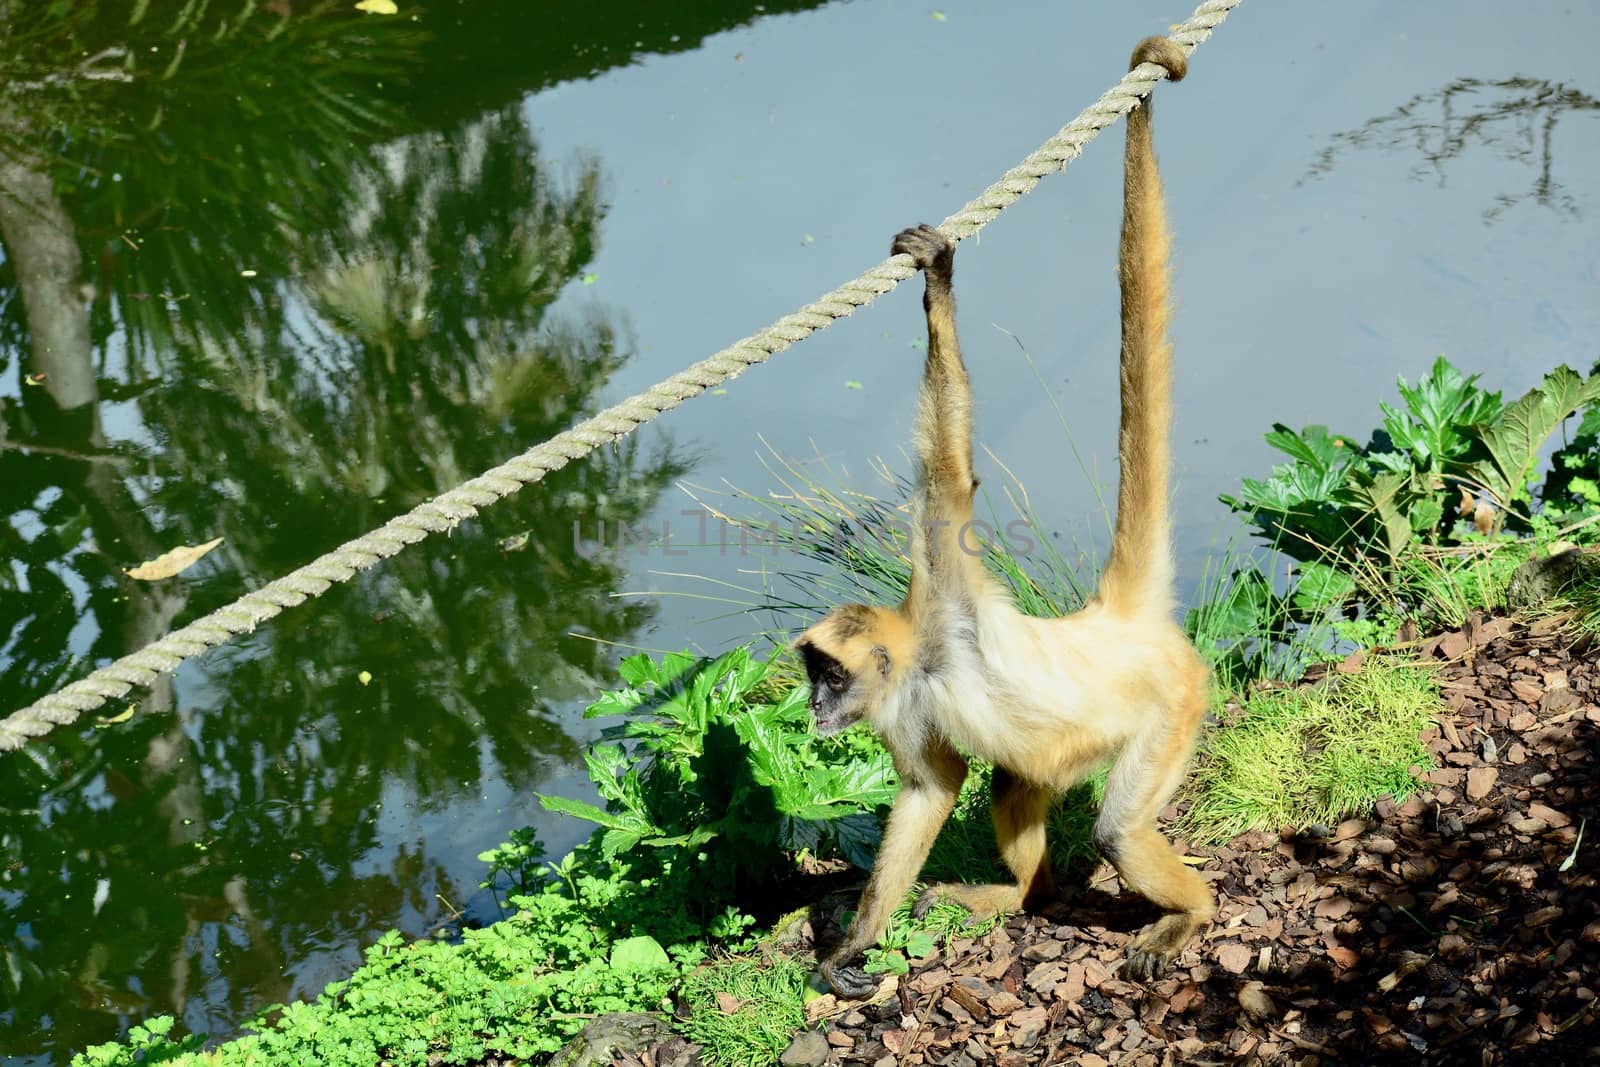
[[851, 983], [930, 249]]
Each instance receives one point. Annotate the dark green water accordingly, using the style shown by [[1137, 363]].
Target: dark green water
[[279, 273]]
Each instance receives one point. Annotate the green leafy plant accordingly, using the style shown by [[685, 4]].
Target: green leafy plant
[[519, 862], [1379, 532], [518, 989], [706, 777], [908, 937], [147, 1043], [1515, 440], [1572, 487], [1338, 501]]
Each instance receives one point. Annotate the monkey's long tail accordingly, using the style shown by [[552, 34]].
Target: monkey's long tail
[[1139, 578]]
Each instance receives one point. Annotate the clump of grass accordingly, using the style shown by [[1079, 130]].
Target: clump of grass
[[768, 993], [1583, 600], [1319, 754], [1439, 587]]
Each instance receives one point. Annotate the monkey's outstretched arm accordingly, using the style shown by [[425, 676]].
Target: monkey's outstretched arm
[[942, 547], [927, 794]]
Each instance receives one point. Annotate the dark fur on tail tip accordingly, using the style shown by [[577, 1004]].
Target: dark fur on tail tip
[[1163, 52]]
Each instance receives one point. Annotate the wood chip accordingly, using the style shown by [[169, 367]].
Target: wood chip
[[1234, 957], [1255, 1002]]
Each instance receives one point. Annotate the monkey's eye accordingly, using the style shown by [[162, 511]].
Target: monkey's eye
[[836, 680]]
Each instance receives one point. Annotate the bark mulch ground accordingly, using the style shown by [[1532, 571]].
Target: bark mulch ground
[[1441, 930]]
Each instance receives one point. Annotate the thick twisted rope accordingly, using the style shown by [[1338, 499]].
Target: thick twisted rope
[[443, 513]]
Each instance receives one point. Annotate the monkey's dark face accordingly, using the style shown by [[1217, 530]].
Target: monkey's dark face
[[832, 704], [849, 664]]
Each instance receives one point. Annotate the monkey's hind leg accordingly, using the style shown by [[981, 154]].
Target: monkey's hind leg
[[1019, 810], [1141, 781]]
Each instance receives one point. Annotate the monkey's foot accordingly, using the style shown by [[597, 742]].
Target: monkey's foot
[[983, 901], [1155, 947], [852, 983], [931, 249]]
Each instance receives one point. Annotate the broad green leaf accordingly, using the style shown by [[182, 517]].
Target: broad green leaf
[[1443, 414], [616, 841], [1313, 445], [1320, 586], [578, 809], [1379, 498], [1424, 514], [1515, 441], [615, 702], [638, 954], [693, 839], [1243, 611]]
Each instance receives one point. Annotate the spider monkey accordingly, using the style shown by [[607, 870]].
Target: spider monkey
[[957, 667]]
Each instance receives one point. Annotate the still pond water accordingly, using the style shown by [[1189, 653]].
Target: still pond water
[[274, 278]]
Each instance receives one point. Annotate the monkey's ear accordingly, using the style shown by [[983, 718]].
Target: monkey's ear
[[880, 655]]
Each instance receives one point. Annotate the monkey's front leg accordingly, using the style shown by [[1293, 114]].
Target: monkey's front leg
[[919, 811]]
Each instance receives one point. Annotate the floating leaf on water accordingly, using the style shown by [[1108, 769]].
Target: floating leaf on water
[[939, 16], [514, 543], [808, 239], [590, 278], [853, 384], [170, 563], [35, 379], [919, 343], [719, 392], [365, 677], [247, 274], [378, 7], [113, 720]]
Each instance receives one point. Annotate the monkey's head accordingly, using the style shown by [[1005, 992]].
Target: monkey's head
[[853, 657]]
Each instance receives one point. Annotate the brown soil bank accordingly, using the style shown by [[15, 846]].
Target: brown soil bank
[[1442, 930]]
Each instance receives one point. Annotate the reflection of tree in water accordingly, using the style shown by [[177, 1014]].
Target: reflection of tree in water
[[1515, 118], [395, 339]]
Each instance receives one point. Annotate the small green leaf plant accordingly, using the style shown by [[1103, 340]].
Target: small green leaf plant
[[705, 775], [517, 865], [1385, 530]]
